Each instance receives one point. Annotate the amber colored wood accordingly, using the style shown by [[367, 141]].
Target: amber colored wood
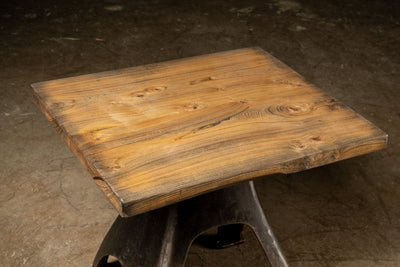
[[157, 134]]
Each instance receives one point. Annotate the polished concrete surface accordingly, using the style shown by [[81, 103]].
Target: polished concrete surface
[[343, 214]]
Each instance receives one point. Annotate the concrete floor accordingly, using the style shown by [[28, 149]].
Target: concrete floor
[[343, 214]]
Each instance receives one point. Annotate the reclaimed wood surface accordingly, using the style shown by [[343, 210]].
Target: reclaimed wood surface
[[157, 134]]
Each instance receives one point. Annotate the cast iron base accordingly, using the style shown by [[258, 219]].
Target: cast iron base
[[163, 237]]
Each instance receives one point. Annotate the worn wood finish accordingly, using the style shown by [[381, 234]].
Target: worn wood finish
[[157, 134]]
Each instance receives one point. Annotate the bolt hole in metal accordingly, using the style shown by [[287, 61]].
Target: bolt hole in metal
[[109, 261]]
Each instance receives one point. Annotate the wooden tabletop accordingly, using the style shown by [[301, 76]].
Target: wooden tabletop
[[157, 134]]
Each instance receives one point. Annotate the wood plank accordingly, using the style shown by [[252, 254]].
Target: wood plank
[[157, 134]]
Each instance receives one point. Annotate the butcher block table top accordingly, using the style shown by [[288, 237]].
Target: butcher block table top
[[157, 134]]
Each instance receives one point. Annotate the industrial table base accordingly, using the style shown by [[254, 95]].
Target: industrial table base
[[163, 237]]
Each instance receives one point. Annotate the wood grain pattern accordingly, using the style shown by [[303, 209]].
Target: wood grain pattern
[[157, 134]]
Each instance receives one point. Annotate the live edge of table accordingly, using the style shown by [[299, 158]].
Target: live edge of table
[[157, 134]]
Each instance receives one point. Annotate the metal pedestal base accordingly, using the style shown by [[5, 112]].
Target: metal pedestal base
[[163, 237]]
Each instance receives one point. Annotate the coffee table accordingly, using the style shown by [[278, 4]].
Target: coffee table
[[174, 145]]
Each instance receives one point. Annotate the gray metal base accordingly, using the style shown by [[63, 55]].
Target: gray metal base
[[163, 237]]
